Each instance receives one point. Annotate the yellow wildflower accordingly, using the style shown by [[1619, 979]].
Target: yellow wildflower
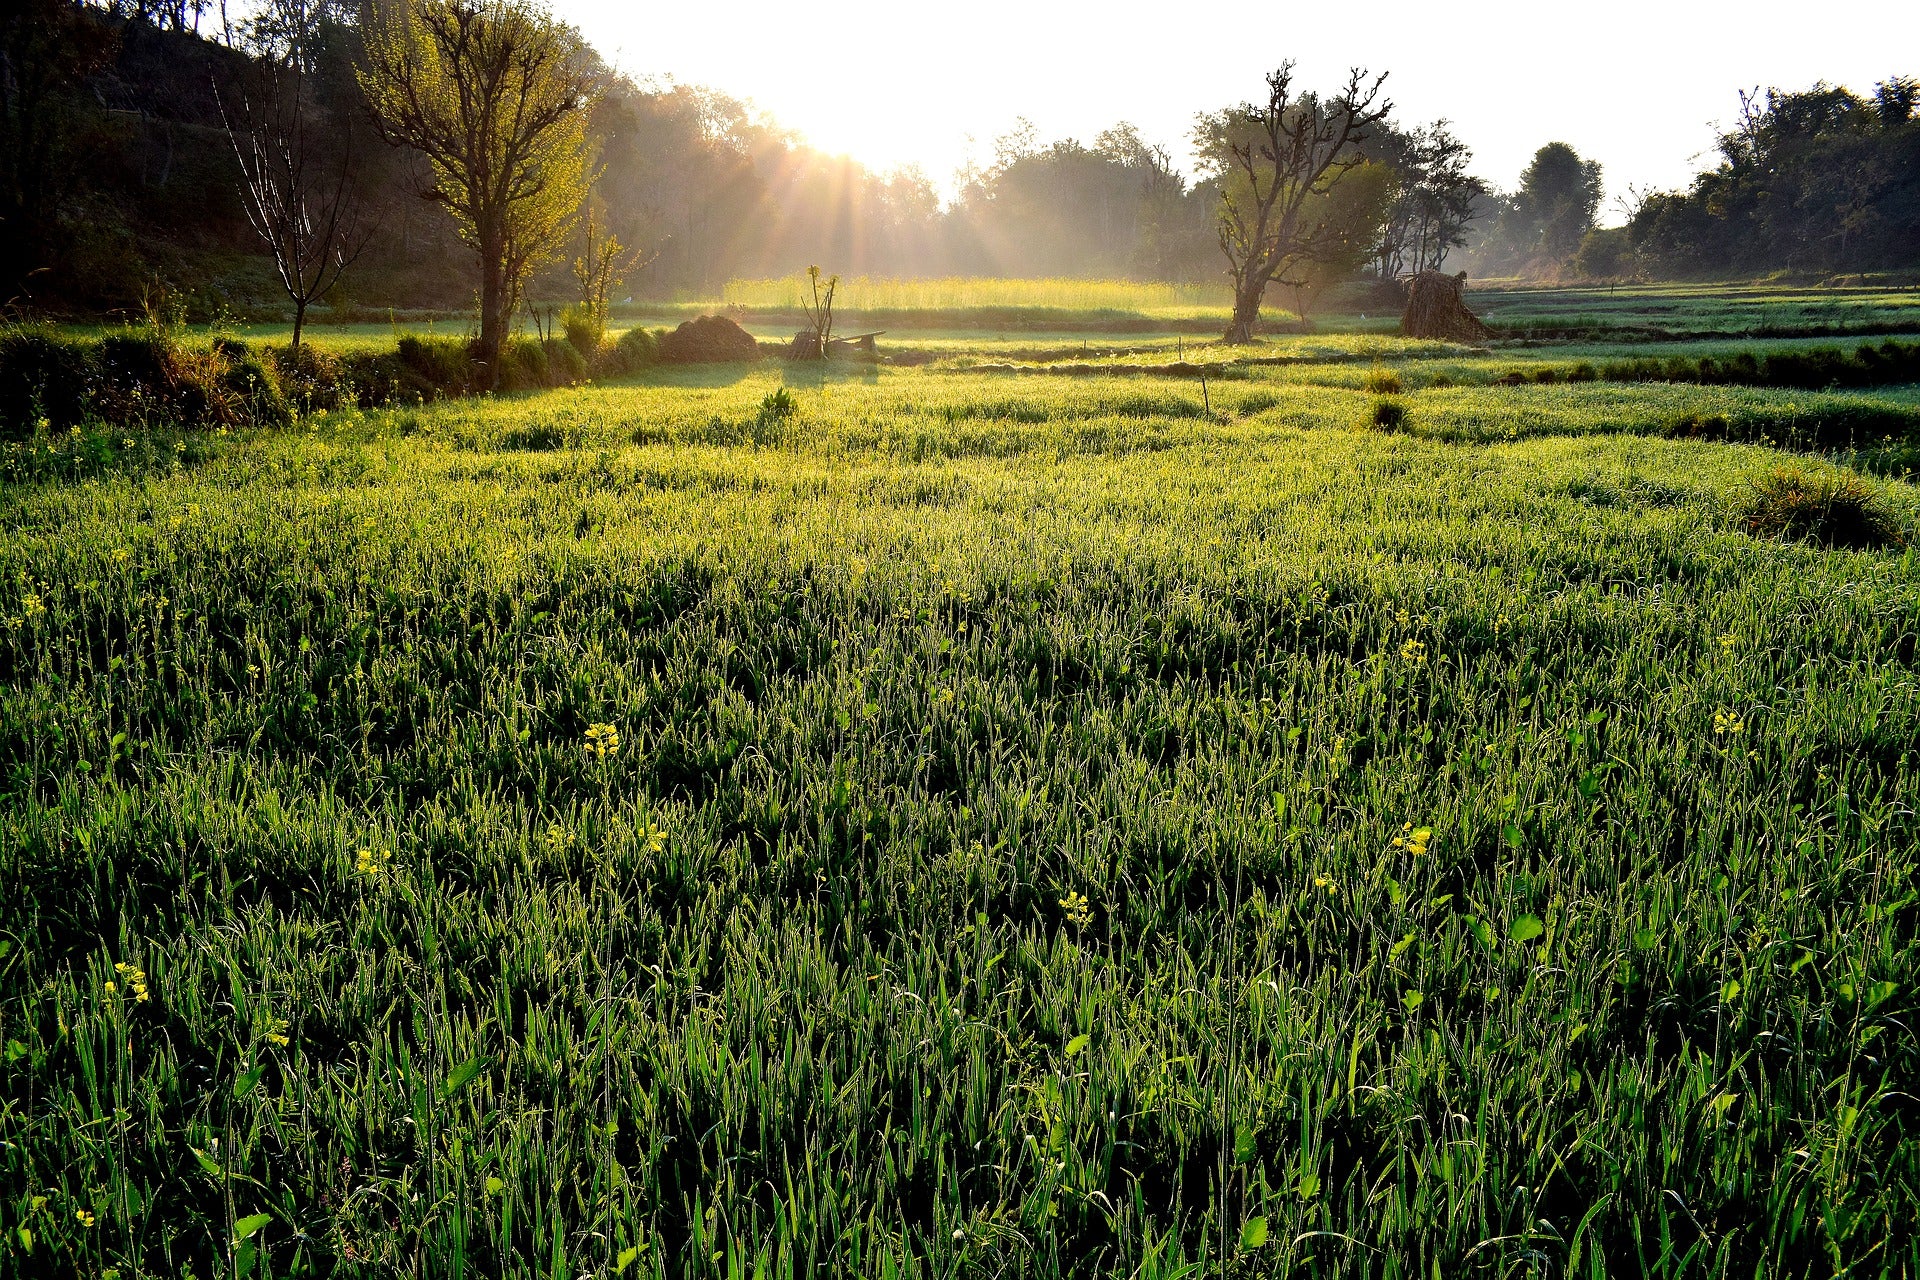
[[277, 1031], [85, 1218], [372, 862], [1414, 651], [1726, 722], [1728, 640], [656, 839], [1079, 912], [559, 839], [136, 980], [603, 740]]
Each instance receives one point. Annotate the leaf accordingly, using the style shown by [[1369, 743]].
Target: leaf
[[26, 1239], [1253, 1233], [1412, 1000], [1730, 990], [1513, 836], [1526, 929], [250, 1224], [244, 1084], [1244, 1147], [495, 1186], [1482, 932], [1645, 938], [1077, 1045], [207, 1162], [464, 1075], [1881, 992], [625, 1260], [243, 1259], [15, 1051]]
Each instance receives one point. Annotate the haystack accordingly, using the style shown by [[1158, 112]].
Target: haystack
[[1435, 310], [708, 340]]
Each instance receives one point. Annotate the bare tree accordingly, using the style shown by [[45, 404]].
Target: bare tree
[[1276, 162], [302, 208]]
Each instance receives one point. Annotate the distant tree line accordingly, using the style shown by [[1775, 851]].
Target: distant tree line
[[1820, 180], [135, 135]]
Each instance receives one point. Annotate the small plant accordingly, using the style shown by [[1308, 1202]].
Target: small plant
[[1836, 508], [776, 408], [819, 309], [1389, 414], [1383, 382]]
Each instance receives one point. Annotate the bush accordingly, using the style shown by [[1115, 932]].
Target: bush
[[254, 383], [566, 366], [1835, 508], [585, 330], [44, 376], [441, 366], [1583, 372], [310, 380], [631, 352]]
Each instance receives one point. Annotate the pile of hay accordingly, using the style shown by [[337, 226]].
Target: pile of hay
[[1435, 310], [708, 340]]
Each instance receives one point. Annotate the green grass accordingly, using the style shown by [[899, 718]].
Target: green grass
[[799, 981]]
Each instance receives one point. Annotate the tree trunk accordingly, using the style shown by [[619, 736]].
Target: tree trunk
[[493, 313], [1246, 312], [299, 321]]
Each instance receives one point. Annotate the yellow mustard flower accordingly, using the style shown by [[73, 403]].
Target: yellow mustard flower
[[602, 740]]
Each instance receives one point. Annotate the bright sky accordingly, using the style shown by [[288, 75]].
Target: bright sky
[[1634, 84]]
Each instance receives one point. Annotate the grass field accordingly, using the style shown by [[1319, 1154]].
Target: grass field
[[768, 821]]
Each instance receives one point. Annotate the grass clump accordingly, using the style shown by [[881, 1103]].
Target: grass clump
[[1389, 414], [1382, 381], [1832, 507]]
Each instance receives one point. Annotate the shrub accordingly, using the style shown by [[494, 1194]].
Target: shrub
[[631, 352], [46, 376], [523, 365], [1835, 508], [309, 379], [1389, 415], [1583, 372], [254, 383], [584, 329], [441, 366], [1383, 382], [376, 379], [565, 363]]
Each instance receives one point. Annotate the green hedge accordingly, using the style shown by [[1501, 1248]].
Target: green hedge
[[148, 378]]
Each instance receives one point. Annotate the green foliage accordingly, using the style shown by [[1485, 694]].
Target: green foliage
[[585, 329], [1828, 506], [636, 349]]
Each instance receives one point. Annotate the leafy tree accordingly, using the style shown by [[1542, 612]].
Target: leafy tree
[[494, 93], [1435, 199], [1555, 206], [1275, 162], [1822, 178]]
